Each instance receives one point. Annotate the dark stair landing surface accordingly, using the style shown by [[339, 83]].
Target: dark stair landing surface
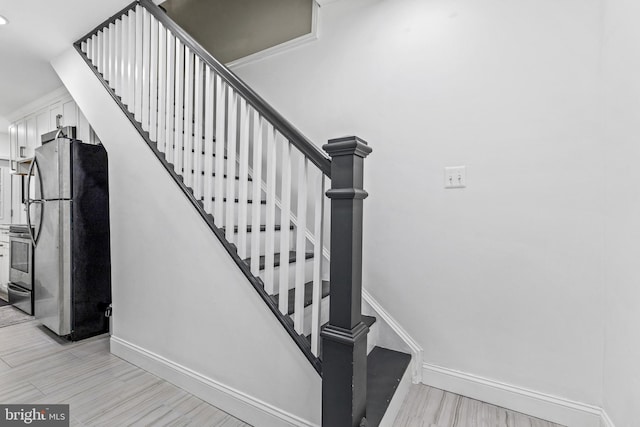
[[385, 369]]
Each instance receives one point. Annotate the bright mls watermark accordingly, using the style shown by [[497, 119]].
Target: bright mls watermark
[[34, 415]]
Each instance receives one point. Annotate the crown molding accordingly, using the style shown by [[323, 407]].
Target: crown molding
[[40, 103]]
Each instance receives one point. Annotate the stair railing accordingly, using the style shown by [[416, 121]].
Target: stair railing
[[256, 180]]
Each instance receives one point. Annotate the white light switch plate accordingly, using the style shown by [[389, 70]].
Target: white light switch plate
[[455, 177]]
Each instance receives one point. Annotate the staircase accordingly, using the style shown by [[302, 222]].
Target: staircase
[[260, 186]]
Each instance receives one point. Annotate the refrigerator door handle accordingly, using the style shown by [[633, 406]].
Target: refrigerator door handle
[[30, 201]]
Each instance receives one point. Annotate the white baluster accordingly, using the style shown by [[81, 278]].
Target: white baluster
[[92, 56], [170, 136], [221, 114], [138, 77], [257, 193], [198, 123], [99, 49], [188, 117], [232, 136], [285, 212], [178, 154], [146, 68], [162, 87], [243, 175], [83, 47], [106, 66], [270, 223], [131, 62], [124, 58], [112, 51], [115, 53], [301, 239], [318, 233], [209, 137], [153, 81], [105, 53]]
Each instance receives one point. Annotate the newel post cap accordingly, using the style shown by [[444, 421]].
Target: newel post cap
[[348, 145]]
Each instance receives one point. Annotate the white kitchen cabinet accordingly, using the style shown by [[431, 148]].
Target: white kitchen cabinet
[[55, 115], [13, 146], [32, 138], [43, 125], [26, 133], [22, 139]]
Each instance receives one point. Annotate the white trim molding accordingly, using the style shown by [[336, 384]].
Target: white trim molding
[[541, 405], [44, 101], [247, 408]]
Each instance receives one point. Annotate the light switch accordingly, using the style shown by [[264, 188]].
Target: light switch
[[455, 177]]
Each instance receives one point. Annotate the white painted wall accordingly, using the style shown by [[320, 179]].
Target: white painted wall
[[181, 306], [622, 135], [504, 279], [527, 277]]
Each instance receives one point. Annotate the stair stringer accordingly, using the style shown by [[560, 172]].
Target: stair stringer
[[182, 308]]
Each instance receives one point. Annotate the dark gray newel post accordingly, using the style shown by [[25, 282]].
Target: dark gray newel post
[[344, 339]]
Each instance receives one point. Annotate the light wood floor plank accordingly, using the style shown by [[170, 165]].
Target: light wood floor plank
[[429, 407], [101, 389]]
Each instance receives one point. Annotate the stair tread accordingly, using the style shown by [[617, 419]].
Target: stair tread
[[368, 320], [308, 295], [193, 151], [263, 228], [276, 260], [385, 369], [224, 176]]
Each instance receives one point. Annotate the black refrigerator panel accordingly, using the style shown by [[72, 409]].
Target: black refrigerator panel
[[90, 240]]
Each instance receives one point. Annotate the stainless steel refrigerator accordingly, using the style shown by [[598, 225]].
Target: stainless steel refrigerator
[[69, 212]]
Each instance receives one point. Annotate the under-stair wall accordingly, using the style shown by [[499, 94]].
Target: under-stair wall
[[214, 337]]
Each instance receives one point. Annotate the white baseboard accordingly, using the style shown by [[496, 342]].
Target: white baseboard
[[234, 402], [536, 404]]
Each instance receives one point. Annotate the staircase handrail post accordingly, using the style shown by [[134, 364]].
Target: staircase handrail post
[[344, 338]]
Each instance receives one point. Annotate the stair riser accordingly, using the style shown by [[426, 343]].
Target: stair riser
[[236, 216], [308, 274], [372, 336], [324, 315], [225, 183], [262, 243]]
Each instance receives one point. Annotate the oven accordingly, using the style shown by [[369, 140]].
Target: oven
[[20, 288]]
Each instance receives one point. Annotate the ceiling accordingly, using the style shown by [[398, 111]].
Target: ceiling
[[38, 31]]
